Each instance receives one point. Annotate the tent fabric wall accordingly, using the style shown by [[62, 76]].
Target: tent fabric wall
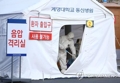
[[97, 49], [91, 53]]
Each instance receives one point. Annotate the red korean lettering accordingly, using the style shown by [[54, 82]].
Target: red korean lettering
[[36, 23], [49, 24], [41, 24], [45, 24], [41, 37], [36, 36], [32, 23], [11, 42], [13, 33], [47, 37], [22, 43], [16, 42], [33, 36], [19, 33], [44, 37]]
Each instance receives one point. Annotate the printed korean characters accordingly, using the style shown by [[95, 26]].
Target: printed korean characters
[[16, 39]]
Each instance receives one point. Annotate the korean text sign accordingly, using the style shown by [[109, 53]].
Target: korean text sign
[[40, 24], [40, 36], [40, 28], [16, 37]]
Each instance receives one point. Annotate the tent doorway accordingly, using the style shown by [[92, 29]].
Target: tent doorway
[[78, 31]]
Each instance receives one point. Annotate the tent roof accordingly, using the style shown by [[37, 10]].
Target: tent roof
[[46, 4], [15, 6], [100, 5]]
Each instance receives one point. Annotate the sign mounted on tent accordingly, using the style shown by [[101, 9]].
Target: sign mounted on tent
[[89, 23], [40, 36], [40, 28], [40, 24]]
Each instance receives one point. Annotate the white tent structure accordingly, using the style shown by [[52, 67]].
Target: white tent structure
[[97, 55]]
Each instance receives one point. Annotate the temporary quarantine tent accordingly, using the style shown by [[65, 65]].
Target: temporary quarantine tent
[[97, 55]]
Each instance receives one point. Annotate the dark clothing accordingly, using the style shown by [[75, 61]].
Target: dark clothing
[[77, 46]]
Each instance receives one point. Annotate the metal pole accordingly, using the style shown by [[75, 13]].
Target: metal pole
[[20, 69], [12, 69]]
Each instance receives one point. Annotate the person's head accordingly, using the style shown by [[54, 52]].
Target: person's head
[[70, 35]]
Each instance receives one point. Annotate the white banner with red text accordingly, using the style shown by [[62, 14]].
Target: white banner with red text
[[16, 37]]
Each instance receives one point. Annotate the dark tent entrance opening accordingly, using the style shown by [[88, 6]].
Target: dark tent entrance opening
[[78, 31]]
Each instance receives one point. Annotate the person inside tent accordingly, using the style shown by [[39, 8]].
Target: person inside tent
[[65, 42]]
